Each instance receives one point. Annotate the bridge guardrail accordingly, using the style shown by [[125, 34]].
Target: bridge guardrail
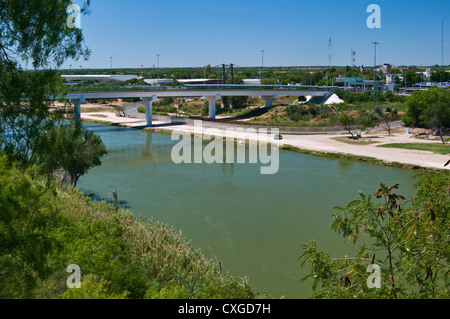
[[128, 88]]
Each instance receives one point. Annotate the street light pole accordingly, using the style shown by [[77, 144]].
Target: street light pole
[[158, 55], [262, 65], [81, 75], [442, 62], [374, 70], [153, 75]]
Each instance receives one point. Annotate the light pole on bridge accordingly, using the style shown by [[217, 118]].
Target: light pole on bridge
[[158, 55], [81, 81], [374, 69], [262, 65]]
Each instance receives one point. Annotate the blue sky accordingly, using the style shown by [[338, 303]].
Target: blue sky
[[292, 32]]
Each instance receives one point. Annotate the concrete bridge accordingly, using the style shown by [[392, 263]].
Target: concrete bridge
[[211, 93]]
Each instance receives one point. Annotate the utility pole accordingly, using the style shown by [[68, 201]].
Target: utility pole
[[442, 62], [374, 70], [110, 62], [224, 75], [232, 73]]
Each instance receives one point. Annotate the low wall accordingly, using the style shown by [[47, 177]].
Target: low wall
[[223, 124]]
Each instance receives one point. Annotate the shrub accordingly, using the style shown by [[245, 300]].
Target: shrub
[[93, 287], [407, 240]]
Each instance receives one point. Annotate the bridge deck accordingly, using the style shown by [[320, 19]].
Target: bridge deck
[[186, 88], [194, 91]]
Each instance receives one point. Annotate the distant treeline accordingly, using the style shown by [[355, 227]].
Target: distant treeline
[[317, 75]]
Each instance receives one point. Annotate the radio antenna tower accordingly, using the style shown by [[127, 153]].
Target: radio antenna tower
[[329, 58], [329, 54], [442, 42]]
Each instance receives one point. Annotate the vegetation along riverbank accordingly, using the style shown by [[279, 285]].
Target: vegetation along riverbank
[[50, 226]]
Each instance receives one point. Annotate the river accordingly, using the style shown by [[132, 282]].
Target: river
[[254, 223]]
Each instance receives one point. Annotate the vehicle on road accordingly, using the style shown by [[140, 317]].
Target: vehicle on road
[[278, 137]]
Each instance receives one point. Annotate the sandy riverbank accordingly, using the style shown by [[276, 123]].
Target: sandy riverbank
[[318, 143]]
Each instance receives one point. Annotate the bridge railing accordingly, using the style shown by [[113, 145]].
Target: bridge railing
[[193, 87]]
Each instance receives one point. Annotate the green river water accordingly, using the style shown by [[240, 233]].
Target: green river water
[[254, 223]]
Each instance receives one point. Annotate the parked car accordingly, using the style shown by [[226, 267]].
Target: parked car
[[277, 137]]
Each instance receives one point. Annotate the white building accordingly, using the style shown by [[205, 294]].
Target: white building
[[390, 78], [158, 81], [99, 77], [252, 81]]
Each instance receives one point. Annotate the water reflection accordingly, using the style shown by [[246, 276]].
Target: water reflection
[[227, 168], [137, 151]]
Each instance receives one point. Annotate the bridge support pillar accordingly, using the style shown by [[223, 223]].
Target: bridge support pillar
[[148, 108], [269, 99], [212, 105], [77, 105]]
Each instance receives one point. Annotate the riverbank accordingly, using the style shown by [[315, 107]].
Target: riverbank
[[325, 144], [119, 256]]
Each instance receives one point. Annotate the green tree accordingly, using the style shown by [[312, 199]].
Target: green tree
[[411, 78], [73, 148], [239, 101], [429, 109], [380, 97], [32, 32], [395, 71], [383, 117], [408, 241], [440, 76], [316, 77], [389, 95], [365, 120], [348, 121], [268, 81], [207, 71]]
